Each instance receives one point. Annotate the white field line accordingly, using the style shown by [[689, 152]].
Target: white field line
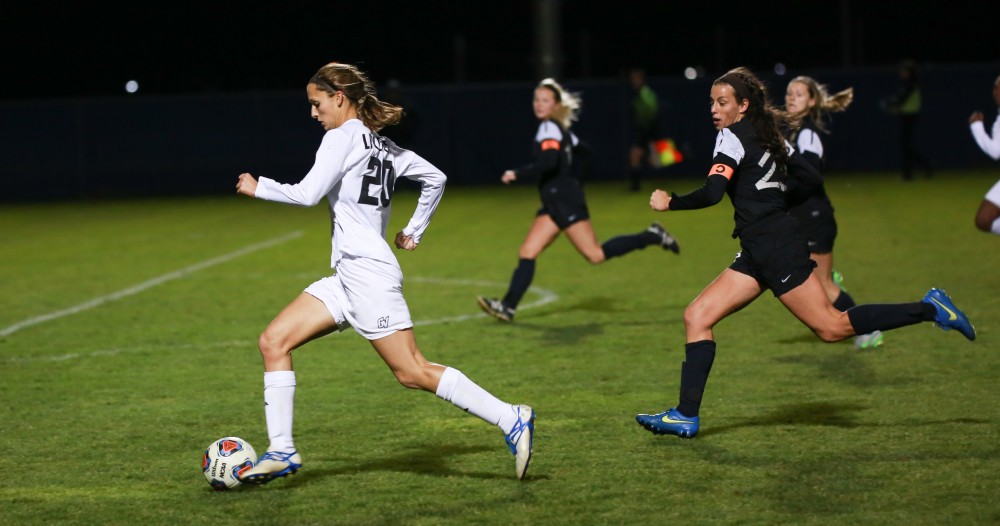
[[112, 352], [7, 331], [546, 296]]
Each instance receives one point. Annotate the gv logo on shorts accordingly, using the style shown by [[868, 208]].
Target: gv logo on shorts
[[383, 322]]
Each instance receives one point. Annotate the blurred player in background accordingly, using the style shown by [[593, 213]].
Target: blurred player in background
[[907, 103], [645, 130], [809, 102], [355, 170], [988, 215], [752, 163], [559, 158]]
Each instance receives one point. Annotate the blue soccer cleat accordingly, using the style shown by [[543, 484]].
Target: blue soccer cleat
[[272, 465], [670, 422], [520, 438], [948, 316]]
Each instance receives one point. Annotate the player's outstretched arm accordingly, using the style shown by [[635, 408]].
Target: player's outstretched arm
[[405, 242], [246, 185], [659, 201]]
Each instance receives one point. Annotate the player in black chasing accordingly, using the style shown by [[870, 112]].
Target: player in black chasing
[[754, 165], [809, 102], [557, 166]]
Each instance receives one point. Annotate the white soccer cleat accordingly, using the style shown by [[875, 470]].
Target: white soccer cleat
[[520, 438], [272, 465]]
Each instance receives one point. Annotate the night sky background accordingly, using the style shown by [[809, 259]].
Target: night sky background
[[50, 50]]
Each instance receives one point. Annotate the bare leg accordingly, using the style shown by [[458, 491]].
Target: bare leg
[[303, 320], [810, 304], [542, 233], [581, 235], [824, 272], [986, 216], [726, 294], [399, 351]]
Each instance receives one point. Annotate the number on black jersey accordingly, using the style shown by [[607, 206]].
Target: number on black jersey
[[380, 173], [766, 182]]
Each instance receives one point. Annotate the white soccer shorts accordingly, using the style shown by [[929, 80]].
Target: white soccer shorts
[[365, 294], [993, 195]]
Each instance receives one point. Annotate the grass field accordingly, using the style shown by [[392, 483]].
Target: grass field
[[128, 343]]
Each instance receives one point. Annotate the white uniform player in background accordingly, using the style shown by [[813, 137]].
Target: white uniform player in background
[[355, 169], [988, 215]]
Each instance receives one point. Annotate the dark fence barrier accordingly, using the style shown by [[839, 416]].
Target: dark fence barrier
[[187, 145]]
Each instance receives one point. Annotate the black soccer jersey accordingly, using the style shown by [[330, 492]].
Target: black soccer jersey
[[747, 172], [807, 142], [553, 153]]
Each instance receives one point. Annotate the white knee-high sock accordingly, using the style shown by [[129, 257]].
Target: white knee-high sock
[[456, 388], [279, 398], [996, 226]]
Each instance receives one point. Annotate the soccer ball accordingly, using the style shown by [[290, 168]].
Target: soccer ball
[[225, 459]]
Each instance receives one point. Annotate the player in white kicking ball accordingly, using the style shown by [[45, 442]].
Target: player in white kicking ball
[[356, 170]]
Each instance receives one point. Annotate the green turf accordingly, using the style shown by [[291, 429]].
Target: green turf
[[107, 408]]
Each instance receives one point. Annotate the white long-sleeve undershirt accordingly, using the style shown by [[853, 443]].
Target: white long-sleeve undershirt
[[989, 145]]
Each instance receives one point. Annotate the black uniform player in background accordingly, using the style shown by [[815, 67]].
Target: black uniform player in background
[[754, 165], [808, 101], [564, 208]]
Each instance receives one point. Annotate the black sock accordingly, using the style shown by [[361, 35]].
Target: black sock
[[519, 282], [844, 301], [694, 375], [621, 245], [869, 318]]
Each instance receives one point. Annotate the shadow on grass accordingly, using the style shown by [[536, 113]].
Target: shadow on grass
[[592, 305], [574, 334], [825, 414], [429, 459], [811, 414], [806, 337]]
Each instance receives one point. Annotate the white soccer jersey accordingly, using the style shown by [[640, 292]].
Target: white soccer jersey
[[356, 170], [990, 145]]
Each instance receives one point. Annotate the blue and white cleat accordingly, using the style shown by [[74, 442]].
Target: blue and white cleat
[[670, 422], [948, 316], [272, 465], [520, 438]]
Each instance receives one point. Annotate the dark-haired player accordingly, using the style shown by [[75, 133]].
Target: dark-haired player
[[754, 164]]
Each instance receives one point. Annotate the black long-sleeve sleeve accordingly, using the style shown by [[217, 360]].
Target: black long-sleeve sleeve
[[709, 194], [804, 179], [547, 161]]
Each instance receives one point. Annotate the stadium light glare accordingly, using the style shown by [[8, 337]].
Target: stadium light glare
[[131, 86]]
